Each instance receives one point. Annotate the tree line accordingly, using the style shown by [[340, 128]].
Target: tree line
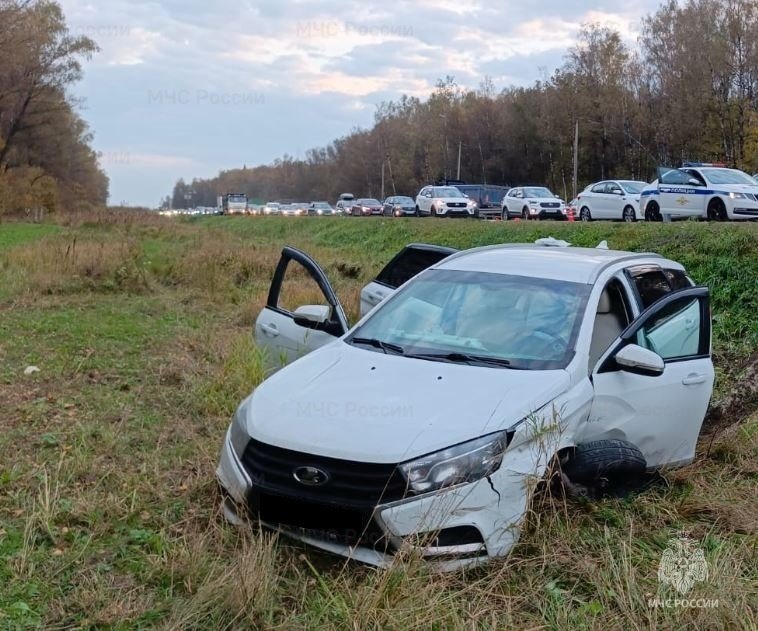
[[687, 91], [46, 161]]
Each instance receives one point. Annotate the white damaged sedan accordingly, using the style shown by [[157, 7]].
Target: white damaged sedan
[[427, 426]]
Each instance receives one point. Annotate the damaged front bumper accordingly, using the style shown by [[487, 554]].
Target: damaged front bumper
[[459, 527]]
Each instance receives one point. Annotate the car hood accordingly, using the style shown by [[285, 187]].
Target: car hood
[[450, 199], [357, 404], [545, 199]]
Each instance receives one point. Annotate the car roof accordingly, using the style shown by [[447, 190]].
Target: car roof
[[579, 265]]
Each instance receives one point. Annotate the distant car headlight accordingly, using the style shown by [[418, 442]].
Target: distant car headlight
[[737, 196], [238, 430], [460, 464]]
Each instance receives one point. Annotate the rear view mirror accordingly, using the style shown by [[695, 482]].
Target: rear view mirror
[[635, 359], [311, 316]]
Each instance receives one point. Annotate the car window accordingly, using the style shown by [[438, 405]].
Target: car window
[[678, 279], [633, 187], [728, 176], [675, 177], [299, 288], [650, 282], [409, 262], [531, 322], [598, 188], [538, 191], [674, 332]]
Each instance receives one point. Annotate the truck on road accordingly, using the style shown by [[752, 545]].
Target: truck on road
[[232, 204]]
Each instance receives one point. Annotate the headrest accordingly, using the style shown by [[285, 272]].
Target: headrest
[[604, 306]]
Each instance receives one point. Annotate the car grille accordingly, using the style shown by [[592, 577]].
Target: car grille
[[350, 484], [456, 204], [550, 205]]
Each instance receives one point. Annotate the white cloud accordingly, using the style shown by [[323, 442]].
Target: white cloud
[[319, 68]]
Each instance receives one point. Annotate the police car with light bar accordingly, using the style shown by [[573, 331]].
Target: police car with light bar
[[708, 191]]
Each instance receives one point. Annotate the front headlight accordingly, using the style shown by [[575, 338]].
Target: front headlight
[[238, 429], [737, 196], [460, 464], [533, 202], [471, 203]]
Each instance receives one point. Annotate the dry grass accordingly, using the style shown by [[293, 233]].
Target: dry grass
[[109, 510]]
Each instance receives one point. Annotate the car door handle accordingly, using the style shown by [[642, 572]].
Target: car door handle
[[693, 379], [270, 329], [375, 297]]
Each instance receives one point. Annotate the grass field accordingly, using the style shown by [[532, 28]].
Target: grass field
[[141, 331]]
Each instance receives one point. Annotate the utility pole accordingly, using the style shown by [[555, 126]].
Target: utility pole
[[576, 155], [392, 177], [383, 161], [458, 173]]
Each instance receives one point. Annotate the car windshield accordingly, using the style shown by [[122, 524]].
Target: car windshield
[[368, 201], [633, 187], [727, 176], [321, 205], [447, 191], [528, 323], [537, 191], [403, 200]]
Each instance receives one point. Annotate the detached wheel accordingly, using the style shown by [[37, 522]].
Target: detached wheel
[[585, 214], [629, 215], [716, 210], [653, 212], [605, 464]]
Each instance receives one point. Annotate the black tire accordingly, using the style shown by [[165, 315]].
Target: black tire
[[504, 215], [525, 214], [716, 210], [418, 212], [434, 211], [628, 214], [653, 212], [609, 462], [585, 214]]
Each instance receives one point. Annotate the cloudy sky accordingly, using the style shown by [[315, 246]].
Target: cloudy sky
[[184, 88]]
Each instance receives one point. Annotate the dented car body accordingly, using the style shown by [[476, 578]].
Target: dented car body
[[427, 426]]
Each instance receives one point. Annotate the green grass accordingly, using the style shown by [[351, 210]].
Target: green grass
[[108, 506], [13, 234]]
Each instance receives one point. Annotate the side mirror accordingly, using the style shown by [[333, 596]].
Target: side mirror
[[312, 316], [641, 361], [557, 196], [694, 182]]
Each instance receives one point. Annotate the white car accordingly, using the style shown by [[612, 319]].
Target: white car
[[611, 199], [272, 208], [464, 387], [532, 202], [702, 191], [444, 201]]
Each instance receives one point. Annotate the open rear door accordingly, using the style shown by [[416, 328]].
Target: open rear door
[[410, 261], [302, 312]]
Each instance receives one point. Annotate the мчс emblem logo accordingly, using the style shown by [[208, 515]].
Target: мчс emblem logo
[[682, 565]]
